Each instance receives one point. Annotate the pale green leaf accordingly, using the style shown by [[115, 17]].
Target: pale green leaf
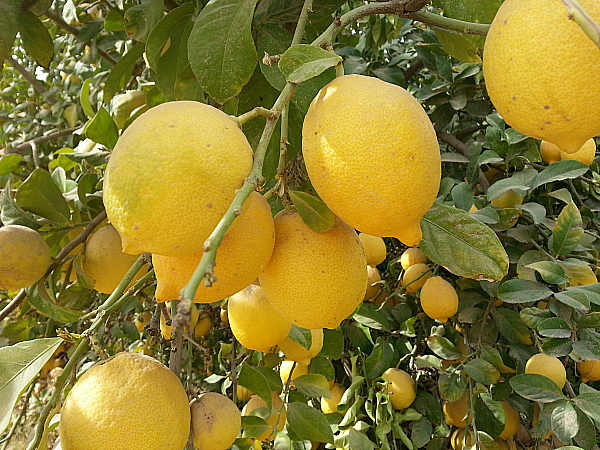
[[314, 212], [537, 388], [40, 195], [522, 291], [303, 62], [567, 233]]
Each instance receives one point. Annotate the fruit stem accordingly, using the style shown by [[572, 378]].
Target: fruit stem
[[252, 114], [581, 17]]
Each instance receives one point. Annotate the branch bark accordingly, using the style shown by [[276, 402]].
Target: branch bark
[[41, 140], [31, 79]]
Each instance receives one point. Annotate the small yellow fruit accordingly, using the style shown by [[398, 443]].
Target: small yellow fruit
[[104, 261], [585, 154], [166, 167], [216, 421], [352, 152], [24, 257], [383, 297], [589, 370], [456, 412], [372, 277], [511, 421], [224, 316], [243, 394], [439, 299], [314, 280], [401, 388], [288, 369], [244, 252], [142, 320], [296, 352], [550, 152], [508, 200], [330, 405], [415, 277], [166, 330], [374, 247], [108, 407], [412, 256], [548, 366], [253, 320], [457, 441], [275, 418], [203, 326]]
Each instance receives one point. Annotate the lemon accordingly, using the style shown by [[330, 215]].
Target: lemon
[[589, 370], [585, 154], [372, 155], [216, 421], [548, 366], [373, 276], [508, 200], [275, 418], [203, 326], [24, 257], [314, 280], [383, 297], [511, 421], [288, 369], [253, 320], [104, 261], [330, 405], [72, 234], [224, 316], [415, 277], [108, 407], [243, 394], [169, 181], [550, 152], [401, 388], [142, 320], [457, 440], [296, 352], [244, 252], [412, 256], [374, 247], [166, 330], [439, 299], [456, 412], [534, 94]]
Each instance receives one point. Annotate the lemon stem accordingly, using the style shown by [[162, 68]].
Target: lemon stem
[[259, 111], [581, 17]]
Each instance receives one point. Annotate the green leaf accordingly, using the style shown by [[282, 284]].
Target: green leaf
[[358, 441], [421, 432], [550, 271], [301, 335], [519, 183], [84, 99], [489, 415], [333, 343], [9, 25], [19, 364], [303, 62], [560, 170], [567, 233], [141, 19], [36, 39], [471, 11], [306, 423], [253, 426], [522, 291], [586, 435], [121, 73], [114, 21], [221, 49], [314, 212], [537, 211], [12, 214], [102, 129], [537, 388], [9, 162], [273, 40], [40, 195], [322, 366], [589, 403], [554, 328], [591, 320], [312, 385], [557, 347], [370, 316], [272, 378], [511, 326], [564, 421], [533, 316], [482, 371], [443, 348], [452, 385], [491, 355], [39, 298], [458, 46], [383, 356], [254, 381], [575, 298], [462, 244], [462, 196]]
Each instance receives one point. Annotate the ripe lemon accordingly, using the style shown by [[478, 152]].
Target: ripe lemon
[[374, 247], [511, 421], [216, 421], [372, 155], [166, 330], [401, 388], [169, 181], [275, 418], [534, 94], [72, 234], [439, 299], [253, 320], [411, 279], [373, 276], [203, 326], [456, 412], [142, 320], [244, 252], [412, 256], [24, 257], [104, 261], [288, 370], [243, 394], [330, 405], [550, 152], [548, 366], [589, 370], [508, 200], [585, 154], [108, 407], [315, 280], [296, 352], [383, 297], [458, 441], [224, 316]]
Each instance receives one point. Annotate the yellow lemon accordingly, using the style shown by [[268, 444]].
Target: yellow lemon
[[275, 418], [104, 261], [330, 405], [108, 407], [412, 256], [243, 394], [439, 299], [458, 441], [244, 252], [548, 366], [372, 155], [296, 352], [534, 94], [124, 104], [24, 257], [401, 388], [415, 277], [589, 370], [288, 369], [373, 276], [456, 412], [383, 297], [166, 330], [142, 320], [315, 280], [508, 200], [550, 152], [585, 154], [216, 421], [203, 326], [374, 247], [224, 316], [253, 320], [511, 421], [166, 167]]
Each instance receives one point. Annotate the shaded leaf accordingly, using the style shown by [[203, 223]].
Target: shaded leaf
[[591, 320], [537, 388], [482, 371], [102, 129], [452, 385], [36, 39], [383, 356], [489, 415], [301, 335], [41, 301], [522, 291], [306, 423], [12, 214], [9, 25], [371, 316], [333, 343], [40, 195], [253, 426], [254, 381], [550, 271], [314, 212], [443, 347], [511, 326], [554, 328], [273, 40], [121, 73], [141, 19]]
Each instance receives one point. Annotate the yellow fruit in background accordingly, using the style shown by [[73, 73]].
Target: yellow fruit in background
[[457, 440], [203, 326], [374, 247], [224, 316], [296, 352], [142, 320], [383, 297], [589, 370], [412, 256], [72, 234], [166, 330], [536, 417], [439, 299], [372, 155], [460, 344], [24, 257], [511, 421], [329, 405], [109, 405], [253, 320], [534, 94], [216, 421], [550, 152], [288, 369], [243, 394], [169, 181], [415, 277], [548, 366], [315, 280], [372, 277], [401, 388], [508, 200], [124, 104], [244, 252], [104, 261], [275, 418], [585, 154], [456, 412]]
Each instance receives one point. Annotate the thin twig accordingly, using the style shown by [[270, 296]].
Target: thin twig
[[301, 25], [41, 140], [459, 145], [447, 23], [31, 79], [13, 304]]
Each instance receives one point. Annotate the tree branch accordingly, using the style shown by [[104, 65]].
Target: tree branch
[[31, 79], [581, 17], [12, 305], [459, 145], [447, 23], [41, 140]]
